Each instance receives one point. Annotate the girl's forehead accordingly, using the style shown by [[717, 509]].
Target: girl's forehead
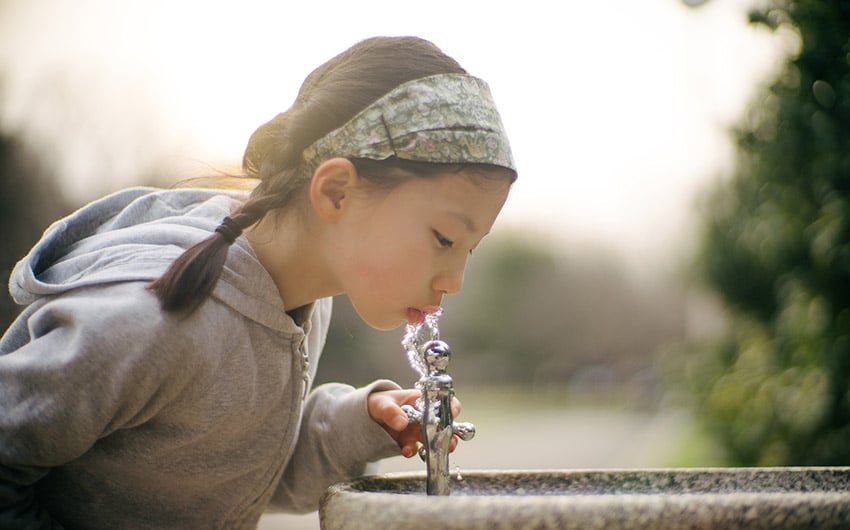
[[461, 198]]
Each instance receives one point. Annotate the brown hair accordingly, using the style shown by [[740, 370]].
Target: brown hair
[[331, 95]]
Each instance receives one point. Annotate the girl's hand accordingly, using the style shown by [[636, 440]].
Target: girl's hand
[[385, 408]]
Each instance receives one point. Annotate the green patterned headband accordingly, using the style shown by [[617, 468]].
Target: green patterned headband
[[446, 118]]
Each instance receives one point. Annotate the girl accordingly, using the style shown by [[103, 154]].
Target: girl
[[160, 374]]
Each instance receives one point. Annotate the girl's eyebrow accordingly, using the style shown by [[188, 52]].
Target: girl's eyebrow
[[463, 218]]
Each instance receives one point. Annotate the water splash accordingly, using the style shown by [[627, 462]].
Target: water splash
[[413, 342]]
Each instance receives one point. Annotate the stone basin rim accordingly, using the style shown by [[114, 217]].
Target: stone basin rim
[[787, 498], [607, 482]]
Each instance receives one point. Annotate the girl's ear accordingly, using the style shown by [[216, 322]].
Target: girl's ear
[[332, 182]]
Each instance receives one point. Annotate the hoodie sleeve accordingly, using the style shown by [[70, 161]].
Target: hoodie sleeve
[[337, 440], [77, 377]]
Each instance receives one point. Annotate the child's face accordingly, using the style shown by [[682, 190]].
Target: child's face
[[404, 248]]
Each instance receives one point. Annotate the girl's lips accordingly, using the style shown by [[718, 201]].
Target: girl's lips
[[417, 316]]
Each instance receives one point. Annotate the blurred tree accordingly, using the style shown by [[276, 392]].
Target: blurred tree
[[29, 202], [776, 249]]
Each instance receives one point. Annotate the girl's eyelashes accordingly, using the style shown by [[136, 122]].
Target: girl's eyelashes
[[443, 240]]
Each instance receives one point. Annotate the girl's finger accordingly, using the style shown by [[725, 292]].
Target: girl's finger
[[456, 406]]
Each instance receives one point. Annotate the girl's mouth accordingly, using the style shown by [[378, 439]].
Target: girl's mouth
[[416, 317]]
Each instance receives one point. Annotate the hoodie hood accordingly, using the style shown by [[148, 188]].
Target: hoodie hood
[[135, 235]]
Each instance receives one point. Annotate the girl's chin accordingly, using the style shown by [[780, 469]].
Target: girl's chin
[[412, 317], [387, 324]]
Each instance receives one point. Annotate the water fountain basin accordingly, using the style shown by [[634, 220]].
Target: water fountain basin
[[727, 498]]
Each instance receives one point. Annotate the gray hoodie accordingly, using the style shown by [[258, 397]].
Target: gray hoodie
[[114, 414]]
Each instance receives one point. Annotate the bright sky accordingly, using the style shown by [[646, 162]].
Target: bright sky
[[617, 110]]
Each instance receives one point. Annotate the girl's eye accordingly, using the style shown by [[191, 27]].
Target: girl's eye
[[442, 240]]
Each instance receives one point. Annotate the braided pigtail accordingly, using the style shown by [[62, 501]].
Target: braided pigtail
[[192, 276]]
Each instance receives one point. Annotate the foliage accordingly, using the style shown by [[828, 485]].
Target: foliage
[[29, 201], [776, 249]]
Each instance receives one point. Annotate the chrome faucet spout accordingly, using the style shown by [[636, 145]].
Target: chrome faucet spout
[[435, 407], [437, 433]]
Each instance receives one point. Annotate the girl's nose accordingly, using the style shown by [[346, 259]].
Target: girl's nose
[[449, 281]]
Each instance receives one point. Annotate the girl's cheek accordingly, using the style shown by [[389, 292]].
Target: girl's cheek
[[379, 270], [396, 261]]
